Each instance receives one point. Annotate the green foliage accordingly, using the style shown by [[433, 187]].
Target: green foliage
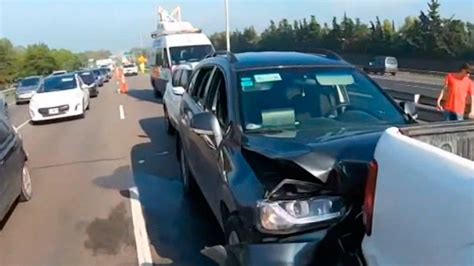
[[66, 59], [428, 35], [38, 60], [7, 62]]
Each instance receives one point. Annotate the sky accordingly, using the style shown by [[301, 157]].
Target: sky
[[119, 25]]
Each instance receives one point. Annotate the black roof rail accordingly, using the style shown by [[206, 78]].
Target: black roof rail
[[229, 55], [327, 53]]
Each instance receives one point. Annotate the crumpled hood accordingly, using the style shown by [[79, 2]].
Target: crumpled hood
[[56, 98], [316, 153]]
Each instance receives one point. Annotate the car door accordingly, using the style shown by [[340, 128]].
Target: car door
[[85, 91], [11, 164], [216, 102], [193, 103]]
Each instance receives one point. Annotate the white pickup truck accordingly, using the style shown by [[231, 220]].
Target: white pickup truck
[[419, 200]]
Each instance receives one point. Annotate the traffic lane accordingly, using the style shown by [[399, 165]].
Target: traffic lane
[[410, 87], [19, 114], [413, 77], [178, 226], [74, 217]]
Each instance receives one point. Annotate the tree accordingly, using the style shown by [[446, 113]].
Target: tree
[[7, 62], [38, 60], [66, 60]]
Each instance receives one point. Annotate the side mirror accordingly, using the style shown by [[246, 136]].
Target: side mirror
[[178, 90], [409, 108], [206, 124]]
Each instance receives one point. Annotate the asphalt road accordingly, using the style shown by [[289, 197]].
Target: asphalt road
[[86, 174]]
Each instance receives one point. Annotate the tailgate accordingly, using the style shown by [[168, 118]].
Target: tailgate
[[455, 137]]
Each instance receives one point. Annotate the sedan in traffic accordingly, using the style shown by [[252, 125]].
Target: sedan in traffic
[[89, 79], [99, 77], [15, 180], [26, 88], [60, 96]]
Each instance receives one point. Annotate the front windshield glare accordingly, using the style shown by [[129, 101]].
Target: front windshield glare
[[313, 98], [59, 84]]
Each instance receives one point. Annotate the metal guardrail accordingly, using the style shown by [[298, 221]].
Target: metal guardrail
[[9, 95]]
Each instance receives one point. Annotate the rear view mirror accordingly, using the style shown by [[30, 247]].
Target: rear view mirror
[[206, 124], [178, 90], [409, 108]]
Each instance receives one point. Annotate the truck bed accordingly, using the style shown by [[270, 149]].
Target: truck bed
[[455, 137]]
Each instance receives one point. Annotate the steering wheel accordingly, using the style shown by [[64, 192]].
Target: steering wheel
[[334, 108]]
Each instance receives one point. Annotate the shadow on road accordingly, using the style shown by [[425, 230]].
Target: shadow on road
[[178, 226], [143, 95]]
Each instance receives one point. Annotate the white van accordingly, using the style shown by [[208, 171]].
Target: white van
[[169, 51]]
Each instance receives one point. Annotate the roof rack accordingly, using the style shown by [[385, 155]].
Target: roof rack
[[327, 53], [229, 55]]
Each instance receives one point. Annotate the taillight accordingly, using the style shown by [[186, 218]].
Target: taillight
[[369, 197]]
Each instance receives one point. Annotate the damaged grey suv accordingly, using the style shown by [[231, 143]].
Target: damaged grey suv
[[280, 145]]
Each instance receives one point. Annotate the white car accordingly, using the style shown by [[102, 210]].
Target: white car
[[130, 69], [173, 93], [419, 200], [58, 72], [60, 96]]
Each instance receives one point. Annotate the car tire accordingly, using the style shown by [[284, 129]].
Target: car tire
[[189, 183], [169, 127], [26, 186], [234, 231]]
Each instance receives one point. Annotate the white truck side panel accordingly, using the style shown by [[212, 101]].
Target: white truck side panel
[[424, 205]]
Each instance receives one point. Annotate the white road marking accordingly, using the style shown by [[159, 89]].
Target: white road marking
[[22, 124], [122, 112], [139, 229]]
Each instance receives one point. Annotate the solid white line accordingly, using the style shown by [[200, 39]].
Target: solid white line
[[139, 229], [22, 124], [122, 112]]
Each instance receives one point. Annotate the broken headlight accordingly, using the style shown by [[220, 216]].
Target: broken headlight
[[288, 216]]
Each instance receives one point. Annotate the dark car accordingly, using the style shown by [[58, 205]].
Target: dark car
[[280, 144], [382, 65], [15, 181], [26, 88], [89, 78], [100, 79], [105, 72]]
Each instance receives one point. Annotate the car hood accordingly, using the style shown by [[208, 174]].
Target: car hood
[[315, 151], [55, 98]]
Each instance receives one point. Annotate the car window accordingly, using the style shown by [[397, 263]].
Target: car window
[[159, 57], [176, 77], [200, 84], [58, 83], [166, 61], [5, 132], [184, 78], [216, 101]]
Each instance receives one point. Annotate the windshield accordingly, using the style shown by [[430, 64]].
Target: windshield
[[58, 84], [302, 98], [186, 54], [87, 77], [103, 71], [28, 82], [129, 65]]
